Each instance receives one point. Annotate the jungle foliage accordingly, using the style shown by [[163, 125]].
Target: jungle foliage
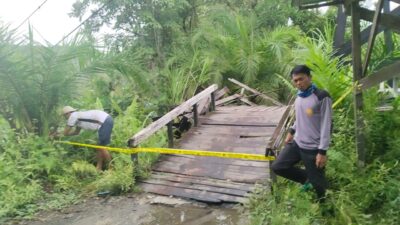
[[161, 53]]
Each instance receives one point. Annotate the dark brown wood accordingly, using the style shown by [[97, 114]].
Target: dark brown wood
[[357, 70], [212, 107], [340, 27], [383, 74], [387, 33], [387, 20], [345, 49], [372, 36], [195, 115], [170, 135]]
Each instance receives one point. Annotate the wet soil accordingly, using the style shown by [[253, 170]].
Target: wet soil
[[141, 209]]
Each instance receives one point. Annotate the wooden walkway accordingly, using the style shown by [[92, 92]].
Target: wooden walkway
[[239, 128]]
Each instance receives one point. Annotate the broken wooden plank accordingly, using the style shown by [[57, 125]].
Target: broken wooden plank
[[164, 120], [221, 161], [203, 180], [255, 92], [193, 186], [200, 195], [372, 36], [231, 174], [181, 192], [247, 101], [235, 123], [227, 99], [381, 75], [387, 20], [245, 164]]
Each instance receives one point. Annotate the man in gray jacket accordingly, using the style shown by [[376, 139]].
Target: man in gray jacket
[[309, 137]]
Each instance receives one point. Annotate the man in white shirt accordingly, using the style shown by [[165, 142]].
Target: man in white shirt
[[91, 120]]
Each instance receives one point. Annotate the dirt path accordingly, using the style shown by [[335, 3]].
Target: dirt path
[[141, 209]]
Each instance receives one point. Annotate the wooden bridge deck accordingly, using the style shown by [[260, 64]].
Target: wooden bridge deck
[[244, 129]]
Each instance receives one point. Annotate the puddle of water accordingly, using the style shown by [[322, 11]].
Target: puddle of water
[[193, 215], [141, 210]]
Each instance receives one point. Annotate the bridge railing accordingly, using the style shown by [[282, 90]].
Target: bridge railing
[[167, 119]]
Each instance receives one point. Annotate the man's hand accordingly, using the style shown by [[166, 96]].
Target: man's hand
[[289, 138], [320, 161]]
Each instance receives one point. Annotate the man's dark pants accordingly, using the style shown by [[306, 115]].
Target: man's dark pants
[[284, 166]]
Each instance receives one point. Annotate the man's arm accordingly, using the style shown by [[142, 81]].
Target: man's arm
[[68, 131], [326, 124], [290, 135]]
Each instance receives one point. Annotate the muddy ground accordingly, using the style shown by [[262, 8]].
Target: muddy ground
[[141, 209]]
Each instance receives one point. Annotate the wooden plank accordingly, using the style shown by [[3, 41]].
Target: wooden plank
[[387, 33], [187, 163], [236, 176], [246, 164], [221, 161], [231, 130], [340, 27], [357, 70], [181, 192], [255, 92], [235, 123], [278, 129], [320, 4], [156, 125], [387, 20], [372, 36], [221, 93], [201, 187], [254, 149], [227, 99], [345, 49], [247, 101], [203, 180], [383, 74]]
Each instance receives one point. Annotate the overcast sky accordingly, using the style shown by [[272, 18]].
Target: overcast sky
[[51, 20]]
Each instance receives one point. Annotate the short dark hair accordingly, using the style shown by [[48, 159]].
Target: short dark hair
[[300, 69]]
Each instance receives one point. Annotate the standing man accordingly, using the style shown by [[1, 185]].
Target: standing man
[[91, 120], [308, 139]]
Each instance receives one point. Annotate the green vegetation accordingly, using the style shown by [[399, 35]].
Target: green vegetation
[[162, 53]]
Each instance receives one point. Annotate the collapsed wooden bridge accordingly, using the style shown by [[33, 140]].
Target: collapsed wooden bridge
[[229, 124]]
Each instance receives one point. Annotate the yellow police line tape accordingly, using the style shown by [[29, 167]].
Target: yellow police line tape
[[177, 151], [340, 99]]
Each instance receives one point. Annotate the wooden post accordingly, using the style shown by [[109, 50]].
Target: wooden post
[[388, 40], [195, 115], [386, 32], [340, 27], [170, 134], [212, 108], [372, 36], [357, 75]]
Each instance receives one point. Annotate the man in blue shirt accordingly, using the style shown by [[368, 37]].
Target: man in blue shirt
[[308, 139]]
